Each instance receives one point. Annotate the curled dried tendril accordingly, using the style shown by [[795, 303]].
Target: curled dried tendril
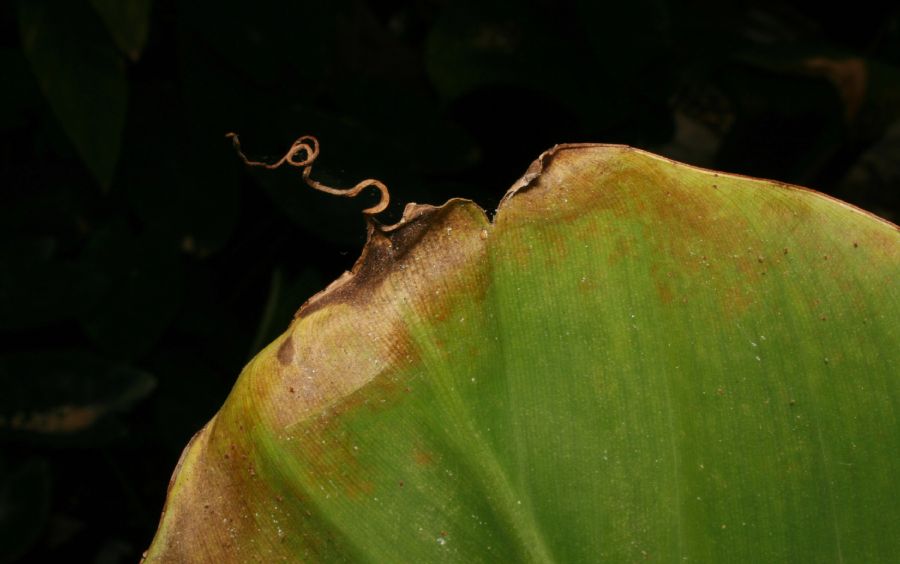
[[308, 148]]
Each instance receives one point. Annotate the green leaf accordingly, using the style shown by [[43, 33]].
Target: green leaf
[[635, 360], [82, 78], [128, 22]]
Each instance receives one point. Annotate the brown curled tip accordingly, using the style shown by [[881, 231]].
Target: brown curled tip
[[309, 146]]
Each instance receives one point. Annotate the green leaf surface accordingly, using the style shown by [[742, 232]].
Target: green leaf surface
[[82, 77], [635, 360]]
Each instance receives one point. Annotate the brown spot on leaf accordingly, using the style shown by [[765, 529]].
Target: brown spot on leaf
[[286, 351], [664, 292], [423, 458]]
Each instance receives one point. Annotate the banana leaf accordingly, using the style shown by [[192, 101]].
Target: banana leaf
[[633, 360]]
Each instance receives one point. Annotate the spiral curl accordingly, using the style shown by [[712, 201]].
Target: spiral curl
[[309, 147]]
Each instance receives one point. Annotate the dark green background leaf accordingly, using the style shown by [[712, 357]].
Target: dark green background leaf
[[128, 21], [81, 76], [66, 395]]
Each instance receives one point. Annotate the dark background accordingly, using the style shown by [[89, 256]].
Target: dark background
[[141, 265]]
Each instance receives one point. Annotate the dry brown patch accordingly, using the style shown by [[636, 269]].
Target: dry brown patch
[[286, 351]]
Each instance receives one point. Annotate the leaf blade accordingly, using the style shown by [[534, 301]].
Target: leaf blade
[[625, 363]]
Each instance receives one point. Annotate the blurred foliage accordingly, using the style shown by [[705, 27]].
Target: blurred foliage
[[82, 80], [141, 266]]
